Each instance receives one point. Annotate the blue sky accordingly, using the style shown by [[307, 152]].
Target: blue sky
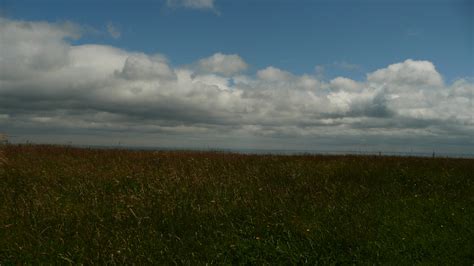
[[346, 37], [249, 74]]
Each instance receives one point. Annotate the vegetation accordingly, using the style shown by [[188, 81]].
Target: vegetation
[[72, 205], [3, 140]]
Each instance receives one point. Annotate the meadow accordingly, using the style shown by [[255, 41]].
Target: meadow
[[74, 205]]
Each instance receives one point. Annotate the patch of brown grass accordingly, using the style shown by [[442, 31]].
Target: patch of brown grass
[[3, 157]]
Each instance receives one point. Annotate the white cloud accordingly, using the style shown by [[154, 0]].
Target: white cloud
[[274, 74], [49, 85], [342, 83], [410, 73], [227, 64]]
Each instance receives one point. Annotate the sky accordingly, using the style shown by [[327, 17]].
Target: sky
[[252, 74]]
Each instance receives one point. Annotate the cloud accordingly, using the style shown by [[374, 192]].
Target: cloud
[[50, 86], [342, 83], [319, 71], [195, 4], [113, 31], [31, 48], [274, 74], [143, 67], [223, 64], [409, 73]]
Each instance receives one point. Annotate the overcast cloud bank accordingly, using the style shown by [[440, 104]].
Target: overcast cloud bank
[[50, 87]]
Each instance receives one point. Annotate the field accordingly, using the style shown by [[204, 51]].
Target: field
[[71, 205]]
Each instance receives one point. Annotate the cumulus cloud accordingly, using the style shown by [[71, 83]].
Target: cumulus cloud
[[223, 64], [33, 47], [143, 67], [342, 83], [274, 74], [49, 85], [408, 73]]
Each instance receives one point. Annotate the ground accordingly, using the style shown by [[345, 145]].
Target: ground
[[65, 204]]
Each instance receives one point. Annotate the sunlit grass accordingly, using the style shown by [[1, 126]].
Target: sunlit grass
[[63, 204]]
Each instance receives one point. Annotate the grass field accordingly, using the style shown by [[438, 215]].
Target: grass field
[[70, 205]]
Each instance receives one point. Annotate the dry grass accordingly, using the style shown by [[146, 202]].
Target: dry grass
[[67, 205], [3, 158]]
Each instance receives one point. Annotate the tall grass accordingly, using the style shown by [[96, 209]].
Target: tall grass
[[70, 205], [3, 158]]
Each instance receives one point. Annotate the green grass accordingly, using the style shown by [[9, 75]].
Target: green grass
[[71, 205]]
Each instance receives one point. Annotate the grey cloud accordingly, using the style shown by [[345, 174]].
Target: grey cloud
[[30, 48], [143, 67]]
